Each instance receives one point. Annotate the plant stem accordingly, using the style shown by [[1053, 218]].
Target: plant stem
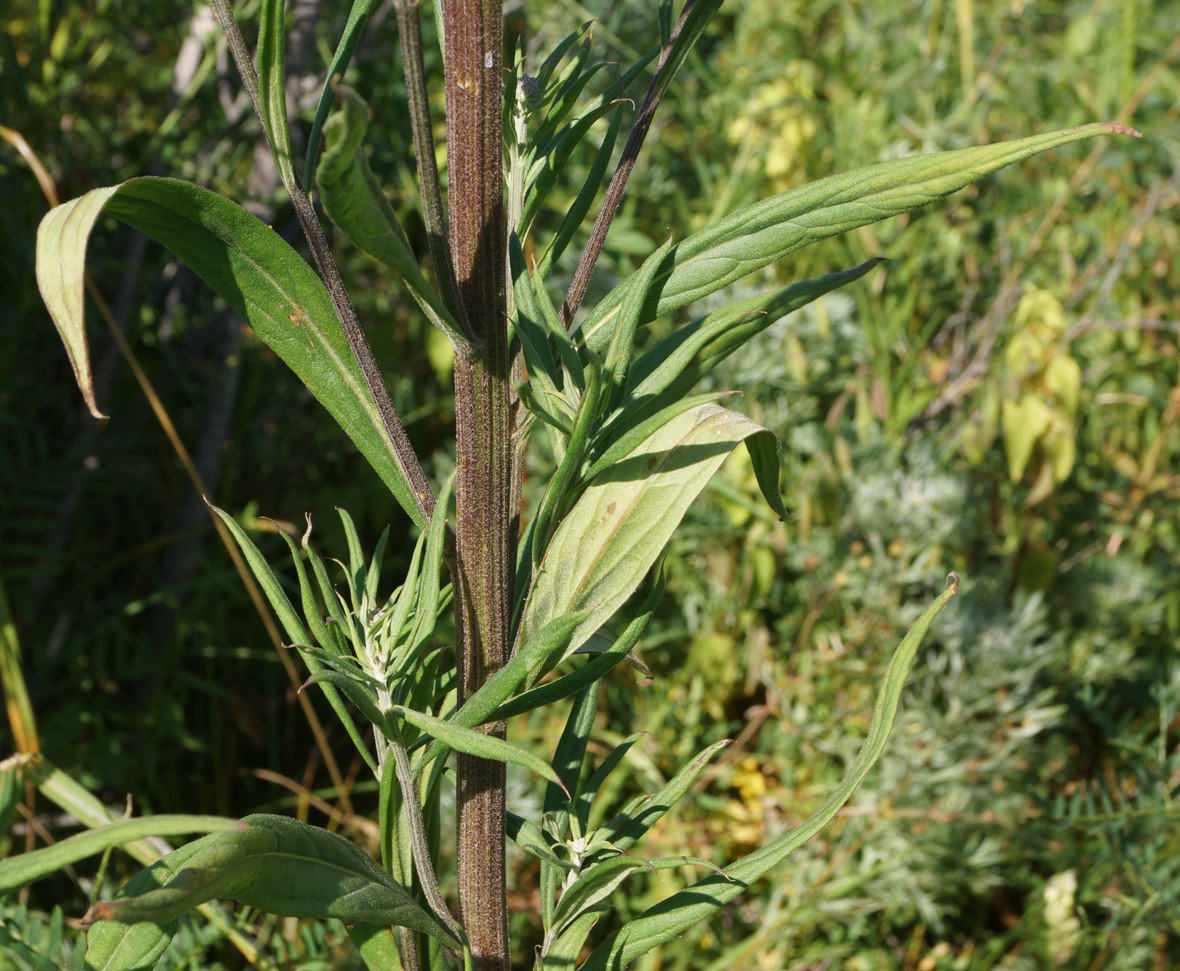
[[409, 25], [483, 393]]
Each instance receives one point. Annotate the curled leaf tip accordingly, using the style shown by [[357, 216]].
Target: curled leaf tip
[[952, 581]]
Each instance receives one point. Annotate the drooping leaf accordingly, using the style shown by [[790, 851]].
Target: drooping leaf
[[683, 910], [354, 201], [115, 945], [252, 268], [16, 871], [283, 867], [768, 230], [617, 528]]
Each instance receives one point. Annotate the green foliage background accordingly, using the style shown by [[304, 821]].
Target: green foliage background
[[1001, 398]]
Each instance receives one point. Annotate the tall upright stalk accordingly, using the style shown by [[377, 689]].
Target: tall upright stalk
[[483, 375]]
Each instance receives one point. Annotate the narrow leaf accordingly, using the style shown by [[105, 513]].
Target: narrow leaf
[[272, 88], [528, 836], [768, 230], [358, 17], [471, 742], [627, 828], [16, 871], [593, 887], [687, 908], [252, 268], [681, 359], [553, 639], [587, 674]]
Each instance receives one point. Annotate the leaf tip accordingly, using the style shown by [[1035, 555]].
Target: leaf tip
[[1118, 128], [952, 582]]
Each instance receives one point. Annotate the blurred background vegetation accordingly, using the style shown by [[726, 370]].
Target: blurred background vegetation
[[1001, 398]]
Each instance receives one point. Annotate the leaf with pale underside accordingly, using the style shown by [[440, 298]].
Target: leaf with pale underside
[[615, 531]]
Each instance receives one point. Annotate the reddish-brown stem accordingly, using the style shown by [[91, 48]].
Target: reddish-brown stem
[[483, 391]]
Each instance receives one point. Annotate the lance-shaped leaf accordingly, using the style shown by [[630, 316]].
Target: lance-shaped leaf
[[593, 887], [283, 867], [587, 674], [358, 17], [16, 871], [585, 797], [768, 230], [572, 221], [671, 368], [547, 168], [354, 201], [251, 267], [626, 829], [471, 742], [683, 910], [272, 88], [519, 669], [617, 528], [563, 954]]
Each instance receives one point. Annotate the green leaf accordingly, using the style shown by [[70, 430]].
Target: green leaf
[[472, 742], [563, 687], [272, 88], [323, 636], [552, 640], [358, 17], [17, 871], [768, 230], [685, 909], [528, 837], [575, 216], [293, 626], [546, 170], [593, 886], [114, 945], [671, 368], [377, 946], [283, 867], [354, 201], [627, 321], [251, 267], [586, 794], [564, 953], [627, 828], [617, 528]]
